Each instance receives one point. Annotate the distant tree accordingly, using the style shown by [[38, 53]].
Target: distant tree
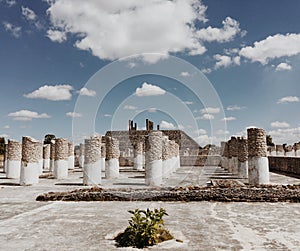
[[48, 138], [270, 141], [2, 145]]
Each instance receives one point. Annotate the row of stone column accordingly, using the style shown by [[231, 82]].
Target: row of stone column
[[28, 159], [247, 158], [285, 150]]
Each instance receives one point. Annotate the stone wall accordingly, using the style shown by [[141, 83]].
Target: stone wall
[[288, 165]]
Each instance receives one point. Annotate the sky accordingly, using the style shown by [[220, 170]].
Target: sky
[[212, 68]]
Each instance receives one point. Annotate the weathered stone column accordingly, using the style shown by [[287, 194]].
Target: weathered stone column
[[279, 150], [5, 158], [14, 156], [234, 152], [70, 156], [52, 155], [153, 168], [46, 157], [176, 156], [61, 161], [103, 153], [271, 151], [297, 149], [242, 158], [39, 152], [92, 161], [30, 168], [166, 157], [258, 164], [81, 155], [288, 151], [112, 158], [229, 161], [138, 155]]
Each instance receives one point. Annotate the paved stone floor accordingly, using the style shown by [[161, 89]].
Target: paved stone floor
[[29, 225]]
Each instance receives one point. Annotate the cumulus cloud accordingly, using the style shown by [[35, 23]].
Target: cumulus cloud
[[225, 34], [107, 115], [6, 127], [283, 67], [166, 125], [149, 90], [200, 131], [52, 92], [278, 124], [185, 74], [225, 61], [14, 30], [73, 114], [129, 107], [152, 109], [26, 115], [288, 99], [204, 139], [235, 108], [207, 116], [28, 13], [10, 3], [285, 135], [57, 36], [228, 118], [276, 46], [187, 102], [222, 132], [86, 92], [211, 110]]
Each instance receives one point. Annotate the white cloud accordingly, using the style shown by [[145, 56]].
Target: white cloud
[[207, 116], [129, 107], [152, 109], [283, 67], [205, 140], [288, 99], [185, 74], [225, 61], [10, 3], [278, 124], [73, 114], [26, 115], [187, 102], [276, 46], [52, 92], [14, 30], [149, 90], [28, 13], [57, 36], [222, 132], [206, 70], [235, 108], [229, 118], [286, 135], [211, 110], [4, 135], [86, 92], [107, 115], [200, 131], [6, 127], [229, 30], [166, 125]]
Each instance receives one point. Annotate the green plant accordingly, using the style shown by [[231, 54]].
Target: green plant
[[145, 229]]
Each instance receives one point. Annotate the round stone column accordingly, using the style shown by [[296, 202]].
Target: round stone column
[[230, 152], [52, 155], [39, 152], [288, 151], [46, 157], [5, 158], [153, 168], [14, 155], [103, 153], [61, 161], [279, 150], [112, 158], [234, 154], [224, 155], [166, 157], [177, 156], [81, 155], [138, 154], [92, 161], [70, 156], [258, 164], [172, 156], [242, 158], [30, 168], [297, 149]]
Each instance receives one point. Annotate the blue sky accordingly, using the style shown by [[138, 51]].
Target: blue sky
[[248, 52]]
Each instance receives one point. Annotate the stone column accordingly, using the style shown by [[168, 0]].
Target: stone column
[[5, 158], [176, 156], [153, 168], [81, 155], [46, 157], [61, 161], [14, 155], [30, 168], [242, 158], [297, 149], [229, 161], [103, 153], [138, 155], [234, 153], [52, 155], [279, 150], [272, 150], [288, 151], [258, 164], [166, 157], [112, 158], [39, 152], [92, 161], [70, 156]]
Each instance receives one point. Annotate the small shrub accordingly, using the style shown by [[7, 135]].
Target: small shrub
[[145, 229]]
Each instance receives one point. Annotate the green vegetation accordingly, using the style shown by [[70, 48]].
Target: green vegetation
[[146, 228]]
